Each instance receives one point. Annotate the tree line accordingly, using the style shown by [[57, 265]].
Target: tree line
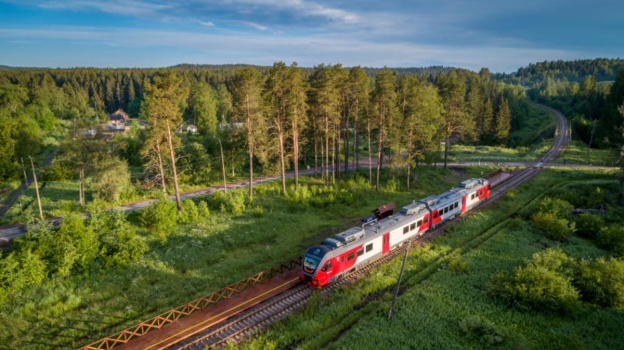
[[594, 109], [602, 69], [285, 118], [280, 117]]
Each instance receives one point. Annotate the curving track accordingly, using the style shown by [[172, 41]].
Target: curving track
[[251, 321]]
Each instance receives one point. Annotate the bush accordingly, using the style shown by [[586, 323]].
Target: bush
[[588, 225], [189, 212], [231, 202], [58, 171], [611, 238], [121, 244], [486, 331], [535, 287], [202, 209], [559, 208], [111, 182], [258, 212], [551, 226], [602, 282], [457, 265], [160, 217], [542, 284], [74, 245]]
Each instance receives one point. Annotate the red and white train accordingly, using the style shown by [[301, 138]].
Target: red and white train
[[353, 248]]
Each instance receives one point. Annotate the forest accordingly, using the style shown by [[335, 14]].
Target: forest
[[267, 120], [602, 69], [328, 116]]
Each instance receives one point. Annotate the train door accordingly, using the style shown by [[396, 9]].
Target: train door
[[463, 204], [386, 243]]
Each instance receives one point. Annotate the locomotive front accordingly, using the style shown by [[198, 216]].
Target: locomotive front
[[312, 261]]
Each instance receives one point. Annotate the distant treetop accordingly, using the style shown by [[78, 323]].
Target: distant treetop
[[603, 69]]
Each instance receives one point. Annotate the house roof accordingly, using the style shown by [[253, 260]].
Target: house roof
[[119, 115]]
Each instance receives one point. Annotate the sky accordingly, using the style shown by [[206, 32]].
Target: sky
[[501, 35]]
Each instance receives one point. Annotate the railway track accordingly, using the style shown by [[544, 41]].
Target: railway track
[[253, 320]]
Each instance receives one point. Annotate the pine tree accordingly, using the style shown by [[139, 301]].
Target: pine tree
[[452, 92], [503, 122], [163, 100], [358, 84], [384, 102], [246, 87]]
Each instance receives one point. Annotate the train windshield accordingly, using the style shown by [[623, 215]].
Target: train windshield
[[310, 263]]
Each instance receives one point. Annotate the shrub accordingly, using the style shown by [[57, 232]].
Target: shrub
[[535, 287], [160, 217], [74, 245], [458, 265], [602, 282], [189, 212], [486, 331], [121, 244], [202, 209], [588, 225], [611, 238], [58, 171], [392, 185], [258, 212], [557, 207], [554, 260], [231, 202], [551, 226], [543, 284], [112, 181]]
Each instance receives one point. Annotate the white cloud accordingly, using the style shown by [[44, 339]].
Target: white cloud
[[253, 25], [126, 8], [308, 51]]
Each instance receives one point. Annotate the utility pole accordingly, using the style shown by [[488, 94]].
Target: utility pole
[[396, 292], [222, 165], [24, 170], [36, 187], [590, 142]]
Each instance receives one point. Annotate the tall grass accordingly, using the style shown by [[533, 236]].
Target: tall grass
[[198, 258], [440, 308]]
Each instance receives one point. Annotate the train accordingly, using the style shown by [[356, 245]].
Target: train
[[346, 251]]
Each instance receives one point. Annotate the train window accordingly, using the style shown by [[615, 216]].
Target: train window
[[360, 252], [445, 210], [420, 223], [405, 229], [472, 196], [413, 226], [327, 266], [342, 258], [426, 220], [435, 215], [350, 256], [369, 247], [456, 204]]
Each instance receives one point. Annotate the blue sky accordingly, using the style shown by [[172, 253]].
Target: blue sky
[[499, 34]]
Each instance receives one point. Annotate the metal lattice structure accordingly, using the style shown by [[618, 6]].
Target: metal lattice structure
[[184, 310]]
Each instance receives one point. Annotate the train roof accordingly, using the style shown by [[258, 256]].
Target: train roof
[[408, 214]]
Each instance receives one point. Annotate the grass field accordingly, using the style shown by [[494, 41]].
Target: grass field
[[464, 153], [435, 300], [576, 153], [197, 259]]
